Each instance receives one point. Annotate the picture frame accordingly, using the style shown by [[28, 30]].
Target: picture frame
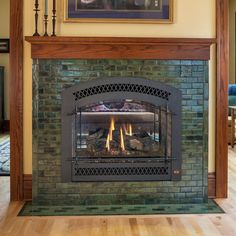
[[4, 45], [123, 11]]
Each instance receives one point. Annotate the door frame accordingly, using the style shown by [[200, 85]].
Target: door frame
[[16, 99], [222, 78]]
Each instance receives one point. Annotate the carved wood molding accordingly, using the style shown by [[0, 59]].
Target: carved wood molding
[[120, 48]]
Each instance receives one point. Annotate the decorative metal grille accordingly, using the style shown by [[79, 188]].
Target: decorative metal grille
[[136, 88], [121, 171]]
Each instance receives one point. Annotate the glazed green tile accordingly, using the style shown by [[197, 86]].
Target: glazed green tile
[[208, 207], [51, 76]]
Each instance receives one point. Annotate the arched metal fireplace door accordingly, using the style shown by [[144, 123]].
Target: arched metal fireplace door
[[121, 129]]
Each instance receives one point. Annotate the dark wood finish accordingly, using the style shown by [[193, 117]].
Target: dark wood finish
[[222, 99], [16, 99], [27, 187], [212, 185], [117, 48]]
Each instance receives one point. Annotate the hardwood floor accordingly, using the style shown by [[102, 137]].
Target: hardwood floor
[[155, 225]]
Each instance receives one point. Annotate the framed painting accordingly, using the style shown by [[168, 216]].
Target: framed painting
[[137, 11]]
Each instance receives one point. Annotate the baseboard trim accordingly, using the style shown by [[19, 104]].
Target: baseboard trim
[[27, 185], [212, 185]]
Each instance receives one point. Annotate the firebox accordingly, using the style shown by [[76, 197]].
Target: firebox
[[121, 129]]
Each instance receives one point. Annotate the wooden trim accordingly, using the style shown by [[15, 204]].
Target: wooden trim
[[221, 147], [27, 187], [117, 40], [16, 99], [212, 185], [120, 48]]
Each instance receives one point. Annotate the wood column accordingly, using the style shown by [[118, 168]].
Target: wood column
[[16, 99], [222, 99]]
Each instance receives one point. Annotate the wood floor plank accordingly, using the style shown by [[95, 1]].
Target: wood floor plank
[[163, 225]]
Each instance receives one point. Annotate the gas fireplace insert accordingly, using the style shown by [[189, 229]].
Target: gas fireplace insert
[[121, 129]]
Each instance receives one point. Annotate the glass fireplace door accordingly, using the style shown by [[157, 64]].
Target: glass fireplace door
[[122, 129]]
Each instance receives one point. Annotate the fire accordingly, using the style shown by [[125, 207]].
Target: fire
[[110, 134], [122, 143], [130, 132], [108, 143], [112, 128], [127, 130]]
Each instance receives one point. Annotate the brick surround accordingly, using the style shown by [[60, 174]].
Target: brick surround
[[49, 79]]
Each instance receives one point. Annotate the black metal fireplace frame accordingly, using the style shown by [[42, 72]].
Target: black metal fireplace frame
[[140, 169]]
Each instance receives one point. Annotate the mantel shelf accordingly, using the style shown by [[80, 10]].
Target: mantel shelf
[[62, 47]]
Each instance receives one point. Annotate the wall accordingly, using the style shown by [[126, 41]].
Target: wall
[[187, 23], [232, 10], [4, 57]]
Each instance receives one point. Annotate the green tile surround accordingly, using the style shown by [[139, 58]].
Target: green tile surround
[[50, 77], [208, 207]]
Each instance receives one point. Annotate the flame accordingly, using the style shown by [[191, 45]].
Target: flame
[[108, 143], [110, 134], [112, 128], [127, 130], [130, 130], [122, 143]]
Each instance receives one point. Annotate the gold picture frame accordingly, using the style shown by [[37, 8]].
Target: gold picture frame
[[109, 11]]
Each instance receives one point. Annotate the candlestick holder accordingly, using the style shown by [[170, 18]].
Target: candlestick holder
[[53, 22], [36, 18], [46, 25]]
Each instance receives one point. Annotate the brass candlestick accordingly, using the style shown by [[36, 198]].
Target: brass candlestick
[[36, 18], [46, 25]]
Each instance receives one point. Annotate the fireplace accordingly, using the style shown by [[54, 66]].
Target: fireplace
[[85, 87], [159, 102], [121, 129]]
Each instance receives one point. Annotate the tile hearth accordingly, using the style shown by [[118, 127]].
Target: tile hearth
[[209, 207]]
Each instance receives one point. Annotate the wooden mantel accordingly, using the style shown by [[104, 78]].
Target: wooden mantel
[[120, 48]]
